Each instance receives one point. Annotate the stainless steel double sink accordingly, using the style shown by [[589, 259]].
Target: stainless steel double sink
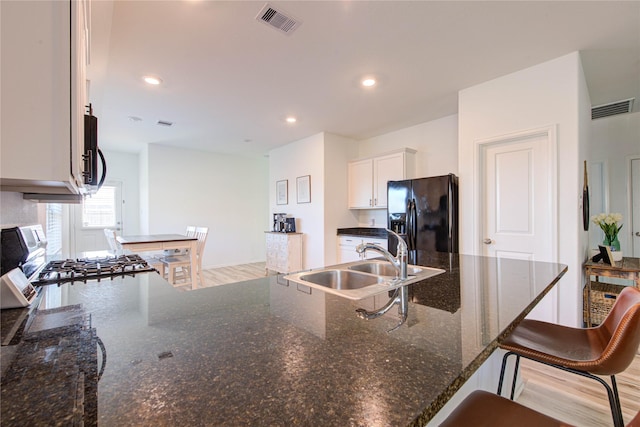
[[361, 279]]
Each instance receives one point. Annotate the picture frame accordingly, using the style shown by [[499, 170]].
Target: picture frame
[[282, 192], [303, 189], [607, 257]]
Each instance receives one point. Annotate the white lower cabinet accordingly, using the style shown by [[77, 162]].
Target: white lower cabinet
[[284, 252], [347, 247]]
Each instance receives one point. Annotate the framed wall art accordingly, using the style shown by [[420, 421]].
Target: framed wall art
[[282, 192], [303, 189]]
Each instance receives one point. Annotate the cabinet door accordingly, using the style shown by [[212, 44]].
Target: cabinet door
[[347, 249], [273, 251], [41, 77], [360, 176], [376, 241], [80, 20], [386, 168], [294, 253]]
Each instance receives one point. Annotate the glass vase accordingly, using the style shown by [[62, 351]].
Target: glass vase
[[614, 243]]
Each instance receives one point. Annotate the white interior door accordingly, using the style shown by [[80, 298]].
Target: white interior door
[[635, 206], [94, 214], [519, 190]]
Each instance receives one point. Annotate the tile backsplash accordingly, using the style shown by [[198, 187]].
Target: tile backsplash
[[15, 211], [372, 218]]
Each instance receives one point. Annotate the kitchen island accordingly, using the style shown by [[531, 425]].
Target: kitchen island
[[269, 352]]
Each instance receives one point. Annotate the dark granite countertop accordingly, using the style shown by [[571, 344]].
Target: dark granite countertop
[[363, 231], [263, 352]]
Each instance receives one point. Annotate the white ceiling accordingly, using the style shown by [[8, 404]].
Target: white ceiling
[[229, 81]]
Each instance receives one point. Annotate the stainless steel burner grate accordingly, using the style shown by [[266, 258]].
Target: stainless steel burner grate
[[83, 269]]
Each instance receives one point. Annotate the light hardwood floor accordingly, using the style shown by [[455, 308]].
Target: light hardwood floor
[[232, 274], [567, 397], [577, 400]]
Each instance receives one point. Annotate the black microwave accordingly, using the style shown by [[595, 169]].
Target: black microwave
[[92, 179]]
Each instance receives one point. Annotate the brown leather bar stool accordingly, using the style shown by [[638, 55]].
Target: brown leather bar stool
[[605, 350], [484, 409]]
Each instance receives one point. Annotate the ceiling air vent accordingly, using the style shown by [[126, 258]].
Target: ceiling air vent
[[164, 123], [278, 19], [611, 109]]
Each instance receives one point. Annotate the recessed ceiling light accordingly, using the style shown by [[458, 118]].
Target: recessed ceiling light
[[291, 119], [368, 82], [152, 80]]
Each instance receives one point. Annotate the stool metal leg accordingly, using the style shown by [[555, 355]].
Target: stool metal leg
[[515, 376], [503, 370], [617, 401], [612, 391]]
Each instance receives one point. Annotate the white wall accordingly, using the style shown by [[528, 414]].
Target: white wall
[[226, 193], [125, 168], [338, 152], [144, 190], [436, 143], [567, 292], [614, 140], [551, 93], [324, 157], [304, 157]]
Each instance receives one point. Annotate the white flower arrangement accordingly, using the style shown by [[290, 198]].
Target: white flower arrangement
[[609, 224]]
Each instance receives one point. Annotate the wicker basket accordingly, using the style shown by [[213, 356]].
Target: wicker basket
[[603, 296]]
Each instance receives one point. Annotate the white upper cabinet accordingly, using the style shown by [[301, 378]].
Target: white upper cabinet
[[368, 177], [44, 60]]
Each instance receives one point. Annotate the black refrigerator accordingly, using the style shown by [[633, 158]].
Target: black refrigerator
[[424, 211]]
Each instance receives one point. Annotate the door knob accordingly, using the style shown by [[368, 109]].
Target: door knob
[[487, 241], [638, 233]]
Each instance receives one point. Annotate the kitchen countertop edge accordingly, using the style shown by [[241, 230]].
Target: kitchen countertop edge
[[363, 232]]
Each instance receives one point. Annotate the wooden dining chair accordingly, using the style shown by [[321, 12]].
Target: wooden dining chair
[[110, 234], [484, 409], [178, 267], [605, 350]]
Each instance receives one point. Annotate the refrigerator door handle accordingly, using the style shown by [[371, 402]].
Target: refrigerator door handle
[[408, 225], [413, 220], [450, 204]]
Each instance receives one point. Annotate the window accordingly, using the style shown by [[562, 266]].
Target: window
[[99, 210], [53, 232]]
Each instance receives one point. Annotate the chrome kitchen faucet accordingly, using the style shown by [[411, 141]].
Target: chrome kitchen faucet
[[401, 295]]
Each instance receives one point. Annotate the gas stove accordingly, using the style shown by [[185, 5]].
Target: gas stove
[[83, 269]]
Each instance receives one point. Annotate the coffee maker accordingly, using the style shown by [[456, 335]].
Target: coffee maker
[[290, 225], [283, 224], [279, 222]]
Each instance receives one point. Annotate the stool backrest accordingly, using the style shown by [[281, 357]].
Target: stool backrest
[[621, 327], [635, 422]]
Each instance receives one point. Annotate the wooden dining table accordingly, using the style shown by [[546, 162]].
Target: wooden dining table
[[159, 242]]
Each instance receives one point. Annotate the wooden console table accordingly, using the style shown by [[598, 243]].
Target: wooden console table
[[284, 252], [628, 268]]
